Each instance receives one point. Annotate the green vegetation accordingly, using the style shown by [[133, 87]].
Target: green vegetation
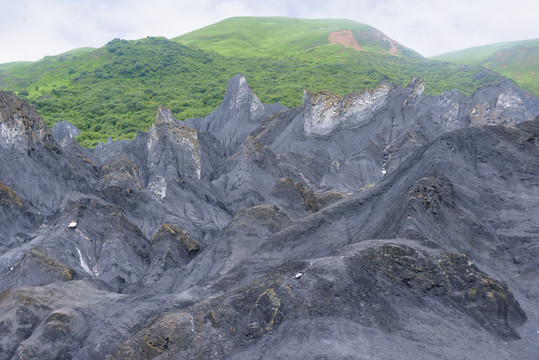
[[115, 90], [281, 36], [518, 60], [12, 65]]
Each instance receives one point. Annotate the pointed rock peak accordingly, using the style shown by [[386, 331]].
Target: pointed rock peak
[[239, 95], [64, 130], [416, 86], [175, 130], [164, 116], [21, 127], [167, 135]]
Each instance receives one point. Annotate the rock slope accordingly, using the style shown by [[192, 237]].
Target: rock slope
[[384, 224]]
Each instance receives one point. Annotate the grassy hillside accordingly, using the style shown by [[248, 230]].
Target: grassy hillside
[[12, 65], [280, 36], [518, 60], [42, 73], [115, 90]]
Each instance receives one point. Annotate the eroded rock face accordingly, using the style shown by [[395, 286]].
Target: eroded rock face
[[240, 113], [37, 267], [8, 197], [240, 96], [63, 130], [507, 108], [295, 194], [121, 174], [386, 223], [32, 162], [173, 149], [21, 128], [330, 288], [363, 137], [325, 111]]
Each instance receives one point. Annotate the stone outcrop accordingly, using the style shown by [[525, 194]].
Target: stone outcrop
[[63, 130], [387, 223], [223, 327], [21, 128], [325, 111], [240, 113], [173, 153]]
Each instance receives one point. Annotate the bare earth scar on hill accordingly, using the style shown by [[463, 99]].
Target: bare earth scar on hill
[[393, 48], [345, 38]]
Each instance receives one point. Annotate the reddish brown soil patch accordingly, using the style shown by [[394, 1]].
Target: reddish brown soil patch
[[392, 47], [344, 38]]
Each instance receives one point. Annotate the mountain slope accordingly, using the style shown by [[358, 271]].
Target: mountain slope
[[113, 91], [280, 37], [387, 223], [13, 64], [517, 60]]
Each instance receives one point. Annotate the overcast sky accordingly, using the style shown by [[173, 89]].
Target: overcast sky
[[32, 29]]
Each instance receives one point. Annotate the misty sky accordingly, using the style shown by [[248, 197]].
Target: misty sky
[[32, 29]]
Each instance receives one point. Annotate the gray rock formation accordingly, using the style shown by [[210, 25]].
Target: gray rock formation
[[385, 224], [64, 130]]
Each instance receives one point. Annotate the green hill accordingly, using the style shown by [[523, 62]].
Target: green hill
[[281, 36], [517, 60], [115, 90], [12, 65]]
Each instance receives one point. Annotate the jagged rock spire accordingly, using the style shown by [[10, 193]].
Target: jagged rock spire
[[21, 127], [239, 96], [240, 113], [173, 152], [64, 130], [164, 115], [414, 91]]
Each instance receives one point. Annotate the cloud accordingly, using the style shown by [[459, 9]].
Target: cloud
[[433, 27], [35, 28]]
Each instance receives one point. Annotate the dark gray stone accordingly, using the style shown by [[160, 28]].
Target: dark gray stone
[[412, 219], [64, 130]]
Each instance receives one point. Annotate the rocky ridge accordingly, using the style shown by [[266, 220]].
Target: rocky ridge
[[386, 224]]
